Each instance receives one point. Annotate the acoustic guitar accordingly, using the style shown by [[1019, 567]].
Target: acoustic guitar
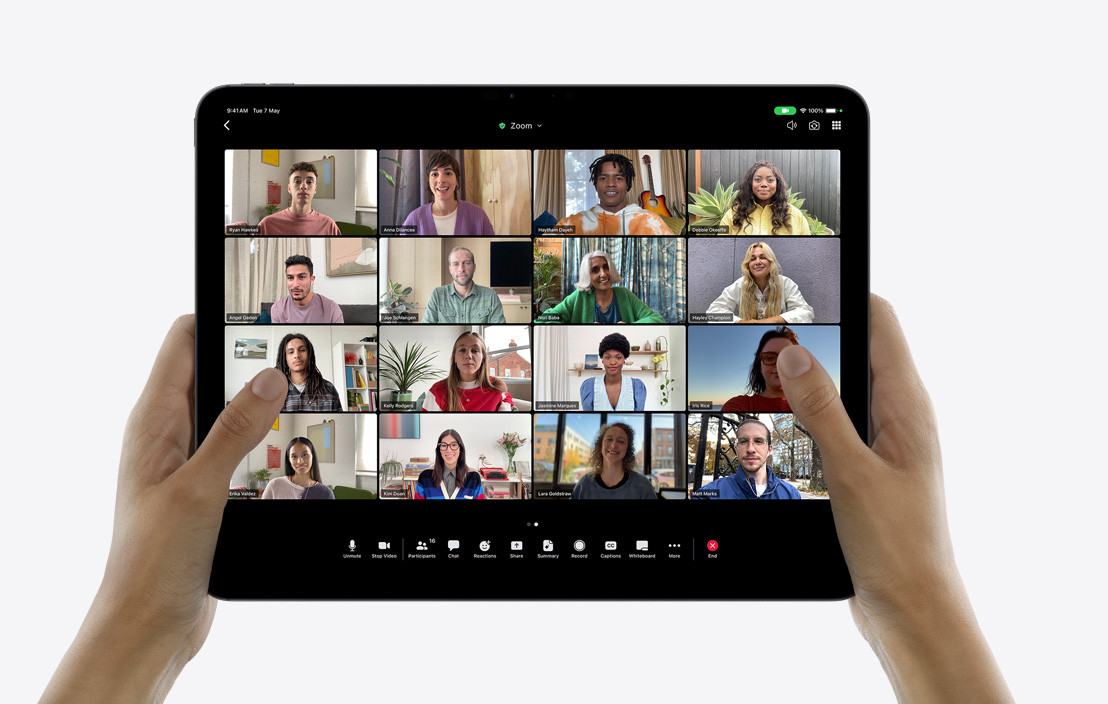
[[647, 199]]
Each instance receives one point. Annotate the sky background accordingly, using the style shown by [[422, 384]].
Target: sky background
[[720, 356]]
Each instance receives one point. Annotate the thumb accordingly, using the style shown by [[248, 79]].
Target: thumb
[[240, 427], [815, 401]]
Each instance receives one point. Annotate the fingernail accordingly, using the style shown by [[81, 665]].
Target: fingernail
[[270, 385], [793, 361]]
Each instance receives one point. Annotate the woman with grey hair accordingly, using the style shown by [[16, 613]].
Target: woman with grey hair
[[597, 300]]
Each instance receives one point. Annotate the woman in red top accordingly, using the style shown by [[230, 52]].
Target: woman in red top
[[766, 395], [468, 386]]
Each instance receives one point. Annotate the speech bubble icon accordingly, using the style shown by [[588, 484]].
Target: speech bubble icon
[[453, 544]]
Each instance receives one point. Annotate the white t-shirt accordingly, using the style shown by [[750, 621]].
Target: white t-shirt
[[444, 224]]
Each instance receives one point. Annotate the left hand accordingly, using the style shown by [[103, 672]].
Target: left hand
[[152, 612]]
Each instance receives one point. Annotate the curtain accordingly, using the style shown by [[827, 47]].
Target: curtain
[[408, 191], [673, 179], [653, 268], [551, 360], [550, 183], [637, 186], [254, 270]]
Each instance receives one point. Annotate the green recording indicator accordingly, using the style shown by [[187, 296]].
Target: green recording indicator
[[784, 110]]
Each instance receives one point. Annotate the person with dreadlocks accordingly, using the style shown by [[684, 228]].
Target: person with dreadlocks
[[763, 295], [762, 207], [308, 390], [612, 175]]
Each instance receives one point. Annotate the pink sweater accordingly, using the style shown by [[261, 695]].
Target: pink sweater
[[285, 224]]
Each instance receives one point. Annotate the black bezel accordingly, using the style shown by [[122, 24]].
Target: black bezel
[[293, 550]]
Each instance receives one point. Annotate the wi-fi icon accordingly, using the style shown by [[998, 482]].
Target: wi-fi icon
[[803, 109]]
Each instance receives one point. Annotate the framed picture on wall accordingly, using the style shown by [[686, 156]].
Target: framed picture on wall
[[271, 157], [323, 438], [351, 256]]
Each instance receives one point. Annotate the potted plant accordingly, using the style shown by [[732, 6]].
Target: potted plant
[[407, 368], [711, 206], [393, 301], [545, 290], [261, 477], [511, 442], [391, 468], [817, 227]]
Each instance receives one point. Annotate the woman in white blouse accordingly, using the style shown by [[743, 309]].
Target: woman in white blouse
[[762, 295]]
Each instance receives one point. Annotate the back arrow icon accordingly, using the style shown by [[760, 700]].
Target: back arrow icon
[[225, 125]]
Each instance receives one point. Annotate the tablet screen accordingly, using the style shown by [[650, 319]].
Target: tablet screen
[[557, 302]]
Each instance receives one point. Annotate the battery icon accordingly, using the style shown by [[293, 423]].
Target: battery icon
[[830, 110]]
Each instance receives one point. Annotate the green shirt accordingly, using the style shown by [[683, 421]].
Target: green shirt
[[579, 307], [482, 305]]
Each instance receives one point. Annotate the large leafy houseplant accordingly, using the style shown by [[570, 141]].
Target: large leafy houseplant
[[407, 368], [547, 269], [393, 301]]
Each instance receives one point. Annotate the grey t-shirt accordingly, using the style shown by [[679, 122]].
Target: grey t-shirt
[[633, 486]]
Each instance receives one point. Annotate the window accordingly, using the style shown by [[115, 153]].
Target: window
[[509, 348], [580, 191]]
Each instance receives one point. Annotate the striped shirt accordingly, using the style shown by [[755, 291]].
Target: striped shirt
[[482, 305]]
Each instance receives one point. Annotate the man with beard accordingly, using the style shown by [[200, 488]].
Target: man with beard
[[463, 301], [303, 305], [755, 481]]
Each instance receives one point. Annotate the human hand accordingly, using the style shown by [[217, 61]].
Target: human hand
[[152, 612], [890, 515]]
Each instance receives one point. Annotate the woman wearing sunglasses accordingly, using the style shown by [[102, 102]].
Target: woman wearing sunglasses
[[766, 394]]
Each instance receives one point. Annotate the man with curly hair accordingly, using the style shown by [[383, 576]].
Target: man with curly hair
[[612, 175]]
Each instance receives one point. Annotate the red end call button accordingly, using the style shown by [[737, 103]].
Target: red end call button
[[712, 546]]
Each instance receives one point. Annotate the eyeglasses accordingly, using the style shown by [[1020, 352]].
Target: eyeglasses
[[768, 358], [451, 446]]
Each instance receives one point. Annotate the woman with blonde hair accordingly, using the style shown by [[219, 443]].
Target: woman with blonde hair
[[597, 300], [468, 387], [613, 474], [763, 295]]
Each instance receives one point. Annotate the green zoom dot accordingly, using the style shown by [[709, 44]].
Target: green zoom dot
[[503, 125]]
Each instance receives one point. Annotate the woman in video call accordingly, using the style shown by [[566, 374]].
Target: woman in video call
[[766, 394], [468, 387], [613, 474], [446, 214], [763, 295], [762, 207], [450, 478], [613, 391], [301, 480], [597, 300], [308, 390]]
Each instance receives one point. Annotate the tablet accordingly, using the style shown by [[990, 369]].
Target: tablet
[[530, 335]]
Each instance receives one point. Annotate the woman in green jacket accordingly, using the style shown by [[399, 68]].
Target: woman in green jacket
[[596, 300]]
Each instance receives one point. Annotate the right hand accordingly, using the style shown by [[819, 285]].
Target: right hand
[[890, 516]]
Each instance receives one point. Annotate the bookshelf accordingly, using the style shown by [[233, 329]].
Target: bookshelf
[[357, 386]]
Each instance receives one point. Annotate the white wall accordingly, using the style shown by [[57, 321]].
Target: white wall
[[586, 340], [339, 472], [479, 431], [341, 289], [435, 338], [324, 338]]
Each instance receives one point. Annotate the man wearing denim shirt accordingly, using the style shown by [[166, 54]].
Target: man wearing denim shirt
[[463, 301]]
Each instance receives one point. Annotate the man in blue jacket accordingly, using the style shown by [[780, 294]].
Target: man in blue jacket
[[755, 481]]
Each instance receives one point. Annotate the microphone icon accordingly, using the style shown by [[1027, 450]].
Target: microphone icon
[[352, 546]]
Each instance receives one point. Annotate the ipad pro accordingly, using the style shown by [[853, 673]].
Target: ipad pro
[[530, 335]]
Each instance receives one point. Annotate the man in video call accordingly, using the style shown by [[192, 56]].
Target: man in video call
[[755, 481], [299, 219], [303, 305], [463, 301], [612, 174]]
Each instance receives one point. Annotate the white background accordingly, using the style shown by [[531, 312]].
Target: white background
[[988, 205]]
